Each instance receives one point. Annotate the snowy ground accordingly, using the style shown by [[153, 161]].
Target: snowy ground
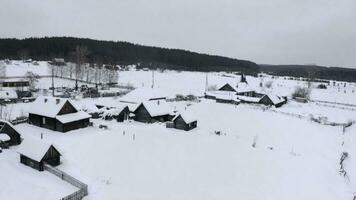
[[292, 159]]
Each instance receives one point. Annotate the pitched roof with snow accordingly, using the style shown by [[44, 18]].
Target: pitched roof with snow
[[143, 94], [249, 99], [275, 99], [156, 108], [48, 106], [72, 117], [114, 111], [187, 117], [239, 87], [34, 148]]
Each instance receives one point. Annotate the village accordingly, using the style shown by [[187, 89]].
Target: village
[[163, 129]]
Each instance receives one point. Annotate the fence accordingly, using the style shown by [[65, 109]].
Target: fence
[[83, 188], [264, 108]]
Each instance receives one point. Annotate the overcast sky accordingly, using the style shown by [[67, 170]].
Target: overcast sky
[[274, 31]]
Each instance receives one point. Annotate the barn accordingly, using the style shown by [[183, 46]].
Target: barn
[[184, 122], [272, 100], [14, 137], [153, 111], [57, 114], [35, 153], [120, 114]]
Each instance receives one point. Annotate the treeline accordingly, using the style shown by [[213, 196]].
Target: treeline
[[311, 72], [122, 53]]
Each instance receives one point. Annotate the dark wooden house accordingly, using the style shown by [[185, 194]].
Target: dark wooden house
[[153, 111], [35, 153], [228, 87], [184, 122], [272, 100], [7, 129], [120, 114], [57, 114]]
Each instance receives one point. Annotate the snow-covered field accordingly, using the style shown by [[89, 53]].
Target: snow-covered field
[[259, 155]]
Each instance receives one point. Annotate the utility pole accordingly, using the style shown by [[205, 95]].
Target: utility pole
[[153, 79], [206, 82], [52, 80]]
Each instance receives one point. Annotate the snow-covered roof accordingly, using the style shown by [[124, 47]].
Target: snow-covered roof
[[239, 87], [34, 148], [243, 87], [4, 137], [59, 60], [143, 94], [72, 117], [8, 94], [275, 99], [114, 111], [48, 106], [249, 99], [157, 108], [187, 117]]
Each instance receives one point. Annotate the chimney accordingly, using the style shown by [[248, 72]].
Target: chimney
[[57, 101], [158, 102]]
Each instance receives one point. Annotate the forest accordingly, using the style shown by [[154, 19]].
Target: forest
[[125, 53]]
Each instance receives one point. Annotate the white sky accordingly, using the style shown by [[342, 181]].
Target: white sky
[[274, 31]]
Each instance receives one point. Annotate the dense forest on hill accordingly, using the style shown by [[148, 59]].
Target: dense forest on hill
[[311, 71], [124, 53], [110, 52]]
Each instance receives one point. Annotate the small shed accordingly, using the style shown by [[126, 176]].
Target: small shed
[[185, 122], [272, 100], [35, 153], [119, 113], [14, 137], [153, 111], [57, 114]]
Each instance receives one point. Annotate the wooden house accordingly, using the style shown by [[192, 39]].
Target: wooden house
[[272, 100], [120, 114], [58, 62], [184, 122], [35, 153], [57, 114], [153, 111], [14, 137]]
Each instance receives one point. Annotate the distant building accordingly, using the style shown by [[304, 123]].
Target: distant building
[[57, 114], [120, 114], [272, 100], [14, 137], [58, 61], [184, 122], [36, 153], [153, 111]]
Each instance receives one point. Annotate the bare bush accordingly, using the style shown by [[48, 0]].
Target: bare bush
[[301, 92], [268, 84]]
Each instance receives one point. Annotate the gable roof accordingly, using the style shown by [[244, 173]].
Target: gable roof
[[239, 87], [187, 117], [48, 106], [114, 111], [274, 98], [72, 117], [143, 94], [34, 148], [156, 108]]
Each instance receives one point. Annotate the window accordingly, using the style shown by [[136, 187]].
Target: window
[[43, 120]]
